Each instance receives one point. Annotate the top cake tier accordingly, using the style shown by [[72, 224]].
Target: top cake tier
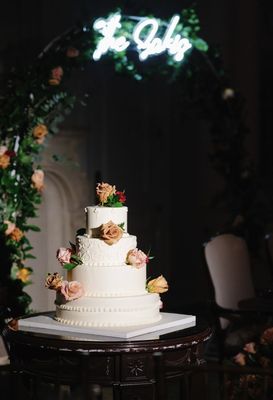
[[98, 215]]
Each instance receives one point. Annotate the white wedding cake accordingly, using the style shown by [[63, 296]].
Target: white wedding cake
[[106, 282]]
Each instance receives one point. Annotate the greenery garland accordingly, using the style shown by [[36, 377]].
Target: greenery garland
[[36, 101]]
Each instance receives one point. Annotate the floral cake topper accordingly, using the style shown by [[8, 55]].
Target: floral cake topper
[[108, 195]]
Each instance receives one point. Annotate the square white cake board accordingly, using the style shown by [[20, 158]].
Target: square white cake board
[[169, 323]]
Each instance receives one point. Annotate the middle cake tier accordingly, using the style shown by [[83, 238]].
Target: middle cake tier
[[95, 252], [110, 281]]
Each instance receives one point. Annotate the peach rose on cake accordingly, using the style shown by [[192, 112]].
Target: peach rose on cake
[[104, 190], [136, 258], [64, 255], [110, 233], [54, 281], [72, 290], [158, 285]]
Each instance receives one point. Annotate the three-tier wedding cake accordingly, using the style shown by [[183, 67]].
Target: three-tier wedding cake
[[106, 282]]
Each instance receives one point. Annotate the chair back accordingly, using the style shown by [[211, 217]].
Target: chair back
[[228, 261]]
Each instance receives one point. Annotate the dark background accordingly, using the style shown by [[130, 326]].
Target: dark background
[[137, 134]]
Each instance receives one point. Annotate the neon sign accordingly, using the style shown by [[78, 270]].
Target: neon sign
[[146, 37]]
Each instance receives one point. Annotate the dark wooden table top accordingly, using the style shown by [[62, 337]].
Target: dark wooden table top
[[179, 339]]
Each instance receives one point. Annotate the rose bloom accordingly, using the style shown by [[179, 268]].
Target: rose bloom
[[110, 233], [72, 290], [228, 93], [267, 336], [39, 132], [38, 179], [240, 359], [64, 255], [16, 234], [56, 76], [23, 274], [4, 161], [121, 196], [10, 227], [137, 258], [250, 348], [72, 52], [104, 190], [158, 285], [3, 150], [54, 281]]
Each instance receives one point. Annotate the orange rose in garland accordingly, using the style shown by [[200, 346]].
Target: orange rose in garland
[[23, 274], [16, 234], [39, 133], [56, 76], [5, 156]]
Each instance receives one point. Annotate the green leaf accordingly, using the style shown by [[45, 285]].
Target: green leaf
[[69, 266], [200, 44], [32, 228], [30, 256]]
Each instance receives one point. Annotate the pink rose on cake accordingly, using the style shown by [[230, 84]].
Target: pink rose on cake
[[158, 285], [137, 258], [72, 290], [64, 255], [110, 232]]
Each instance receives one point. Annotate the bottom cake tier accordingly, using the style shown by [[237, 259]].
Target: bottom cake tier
[[110, 311]]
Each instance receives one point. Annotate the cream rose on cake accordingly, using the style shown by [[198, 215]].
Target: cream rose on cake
[[158, 285]]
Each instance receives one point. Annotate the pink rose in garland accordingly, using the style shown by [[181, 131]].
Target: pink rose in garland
[[137, 258], [38, 179], [10, 227], [72, 290]]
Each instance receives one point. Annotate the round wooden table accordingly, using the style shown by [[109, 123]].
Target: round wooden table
[[127, 367]]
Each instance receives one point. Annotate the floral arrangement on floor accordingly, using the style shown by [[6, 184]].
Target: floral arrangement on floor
[[256, 354]]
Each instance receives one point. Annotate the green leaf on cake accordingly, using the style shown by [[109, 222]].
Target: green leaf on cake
[[69, 266], [76, 258]]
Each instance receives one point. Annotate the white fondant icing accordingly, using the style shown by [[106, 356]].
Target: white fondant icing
[[115, 293], [96, 252], [98, 215], [87, 311], [122, 280]]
